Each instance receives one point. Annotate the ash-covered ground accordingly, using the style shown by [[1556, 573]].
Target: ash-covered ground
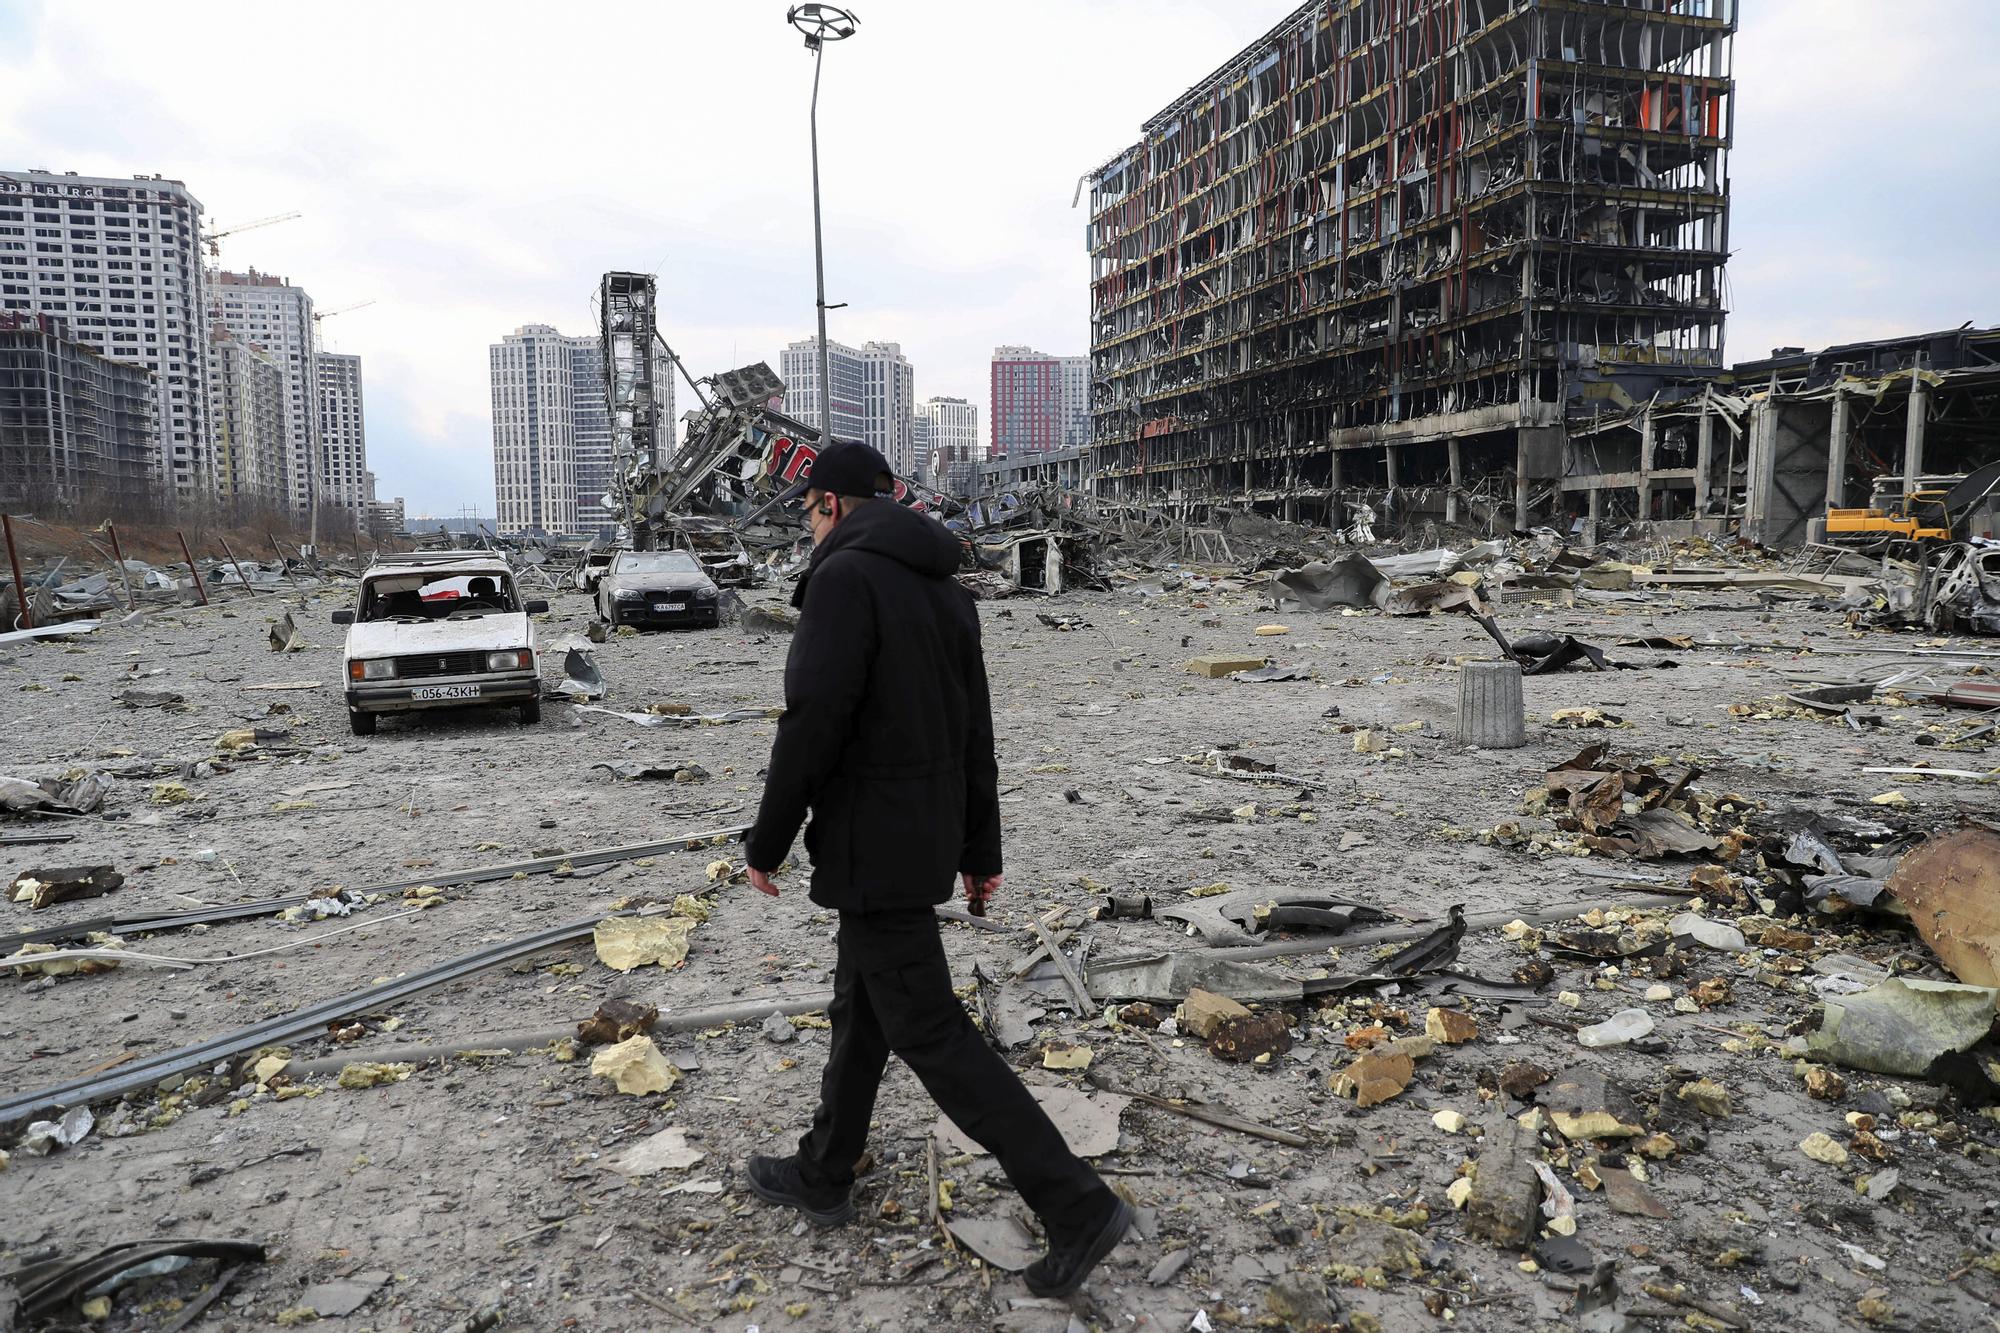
[[485, 1184]]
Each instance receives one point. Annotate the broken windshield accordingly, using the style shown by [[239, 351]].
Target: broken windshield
[[656, 562], [413, 598]]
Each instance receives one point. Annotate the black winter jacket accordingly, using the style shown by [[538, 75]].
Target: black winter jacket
[[888, 731]]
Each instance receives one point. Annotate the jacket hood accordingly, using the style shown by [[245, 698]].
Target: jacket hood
[[887, 528]]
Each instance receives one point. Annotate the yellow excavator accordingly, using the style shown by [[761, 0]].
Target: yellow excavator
[[1939, 510]]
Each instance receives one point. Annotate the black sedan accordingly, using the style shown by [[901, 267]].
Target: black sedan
[[657, 590]]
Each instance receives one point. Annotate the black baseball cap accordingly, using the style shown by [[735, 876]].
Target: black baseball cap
[[845, 467]]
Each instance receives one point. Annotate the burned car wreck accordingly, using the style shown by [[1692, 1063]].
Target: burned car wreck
[[718, 548], [1960, 588]]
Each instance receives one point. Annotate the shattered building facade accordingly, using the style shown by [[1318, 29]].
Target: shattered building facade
[[1390, 249]]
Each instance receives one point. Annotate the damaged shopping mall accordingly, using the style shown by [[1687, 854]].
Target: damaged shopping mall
[[1387, 253], [1465, 261]]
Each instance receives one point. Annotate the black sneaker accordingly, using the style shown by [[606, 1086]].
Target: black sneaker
[[777, 1180], [1063, 1269]]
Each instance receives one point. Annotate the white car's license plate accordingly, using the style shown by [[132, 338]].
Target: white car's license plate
[[444, 692], [670, 606]]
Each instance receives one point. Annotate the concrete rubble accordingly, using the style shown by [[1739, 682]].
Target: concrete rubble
[[1655, 1023]]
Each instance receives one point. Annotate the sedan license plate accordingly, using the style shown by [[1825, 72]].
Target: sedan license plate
[[445, 692], [670, 606]]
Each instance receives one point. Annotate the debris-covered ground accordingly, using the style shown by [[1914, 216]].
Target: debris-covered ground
[[1661, 896]]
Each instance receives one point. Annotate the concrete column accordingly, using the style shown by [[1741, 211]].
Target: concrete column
[[1539, 455], [1451, 514], [1913, 431], [1647, 442], [1596, 514], [1336, 508], [1836, 453], [1704, 458], [1391, 455]]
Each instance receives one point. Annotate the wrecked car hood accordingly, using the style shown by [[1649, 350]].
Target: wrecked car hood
[[661, 582], [387, 638]]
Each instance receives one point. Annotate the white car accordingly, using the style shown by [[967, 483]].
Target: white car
[[440, 629], [591, 568]]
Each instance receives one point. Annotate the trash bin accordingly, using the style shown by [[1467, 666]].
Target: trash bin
[[1489, 706]]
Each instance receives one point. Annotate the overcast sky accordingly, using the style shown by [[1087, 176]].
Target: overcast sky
[[473, 167]]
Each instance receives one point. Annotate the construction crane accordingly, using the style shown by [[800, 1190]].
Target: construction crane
[[319, 315], [215, 251]]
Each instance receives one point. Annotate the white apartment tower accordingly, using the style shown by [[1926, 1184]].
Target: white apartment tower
[[269, 311], [874, 395], [891, 404], [951, 428], [343, 436], [119, 261], [926, 471], [246, 426], [552, 432], [591, 427], [798, 366]]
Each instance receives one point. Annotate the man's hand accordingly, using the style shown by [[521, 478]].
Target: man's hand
[[762, 882], [978, 888]]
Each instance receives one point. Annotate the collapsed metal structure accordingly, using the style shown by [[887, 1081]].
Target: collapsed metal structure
[[628, 331], [1394, 245]]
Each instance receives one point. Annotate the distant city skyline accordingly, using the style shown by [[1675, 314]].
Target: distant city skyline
[[407, 199]]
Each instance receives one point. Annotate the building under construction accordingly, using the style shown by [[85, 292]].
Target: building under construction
[[1389, 252], [76, 427]]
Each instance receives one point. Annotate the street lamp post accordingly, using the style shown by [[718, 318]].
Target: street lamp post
[[821, 24]]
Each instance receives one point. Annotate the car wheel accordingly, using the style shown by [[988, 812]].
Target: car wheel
[[531, 712], [362, 724]]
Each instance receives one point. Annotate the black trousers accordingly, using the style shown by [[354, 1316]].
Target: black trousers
[[892, 993]]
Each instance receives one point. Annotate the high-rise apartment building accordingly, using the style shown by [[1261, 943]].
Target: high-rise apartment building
[[552, 432], [1394, 249], [343, 436], [926, 470], [889, 416], [1039, 402], [119, 261], [76, 428], [951, 433], [247, 426], [798, 366], [269, 311], [874, 395]]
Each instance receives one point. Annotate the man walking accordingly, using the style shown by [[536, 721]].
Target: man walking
[[887, 739]]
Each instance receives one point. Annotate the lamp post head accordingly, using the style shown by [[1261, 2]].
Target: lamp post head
[[822, 23]]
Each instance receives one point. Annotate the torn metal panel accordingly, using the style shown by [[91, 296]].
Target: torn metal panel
[[1951, 886], [1166, 978], [1240, 918], [1351, 580]]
